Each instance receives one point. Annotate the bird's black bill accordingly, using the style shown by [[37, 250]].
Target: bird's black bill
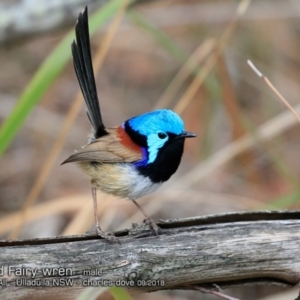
[[82, 60], [186, 134]]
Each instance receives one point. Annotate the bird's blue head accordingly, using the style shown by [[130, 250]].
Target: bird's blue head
[[154, 129]]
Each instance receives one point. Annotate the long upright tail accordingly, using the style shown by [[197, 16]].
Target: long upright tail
[[82, 61]]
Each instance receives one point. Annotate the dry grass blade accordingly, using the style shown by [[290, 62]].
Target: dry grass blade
[[234, 113], [58, 206], [48, 165], [82, 221], [211, 61], [272, 87], [73, 112], [212, 292], [190, 66], [230, 100]]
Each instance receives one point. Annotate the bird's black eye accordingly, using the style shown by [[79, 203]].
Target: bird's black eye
[[162, 135]]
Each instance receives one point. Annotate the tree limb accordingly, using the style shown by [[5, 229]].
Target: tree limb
[[220, 250]]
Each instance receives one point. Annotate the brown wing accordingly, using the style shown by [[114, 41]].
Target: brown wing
[[114, 147]]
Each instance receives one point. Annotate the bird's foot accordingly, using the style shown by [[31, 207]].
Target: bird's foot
[[153, 225], [107, 235], [150, 221]]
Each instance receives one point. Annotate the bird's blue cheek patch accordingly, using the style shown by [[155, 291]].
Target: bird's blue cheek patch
[[154, 144]]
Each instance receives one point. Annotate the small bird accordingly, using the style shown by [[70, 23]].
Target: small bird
[[130, 160]]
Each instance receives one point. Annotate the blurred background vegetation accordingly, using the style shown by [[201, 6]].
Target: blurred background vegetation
[[190, 56]]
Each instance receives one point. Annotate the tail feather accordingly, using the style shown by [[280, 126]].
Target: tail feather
[[82, 61]]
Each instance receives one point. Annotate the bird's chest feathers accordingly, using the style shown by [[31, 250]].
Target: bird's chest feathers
[[122, 180]]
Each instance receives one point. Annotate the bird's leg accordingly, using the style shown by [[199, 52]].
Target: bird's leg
[[99, 231], [152, 222]]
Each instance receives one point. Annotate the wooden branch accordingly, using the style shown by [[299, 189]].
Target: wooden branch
[[223, 250]]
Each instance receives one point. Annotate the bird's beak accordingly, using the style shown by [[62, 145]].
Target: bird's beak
[[186, 134]]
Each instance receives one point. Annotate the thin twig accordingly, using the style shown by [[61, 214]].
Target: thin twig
[[208, 291], [188, 68], [272, 87]]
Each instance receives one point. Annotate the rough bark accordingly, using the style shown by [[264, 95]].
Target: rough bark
[[224, 250]]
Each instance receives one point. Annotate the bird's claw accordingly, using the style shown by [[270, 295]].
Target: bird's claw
[[153, 226], [110, 237]]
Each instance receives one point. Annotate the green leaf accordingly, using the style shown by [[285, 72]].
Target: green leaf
[[120, 293], [46, 74]]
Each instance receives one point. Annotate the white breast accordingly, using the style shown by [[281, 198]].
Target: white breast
[[119, 179], [138, 185]]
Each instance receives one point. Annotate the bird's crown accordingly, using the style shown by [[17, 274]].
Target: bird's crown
[[161, 120]]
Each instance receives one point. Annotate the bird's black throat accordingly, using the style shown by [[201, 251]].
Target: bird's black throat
[[166, 163]]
